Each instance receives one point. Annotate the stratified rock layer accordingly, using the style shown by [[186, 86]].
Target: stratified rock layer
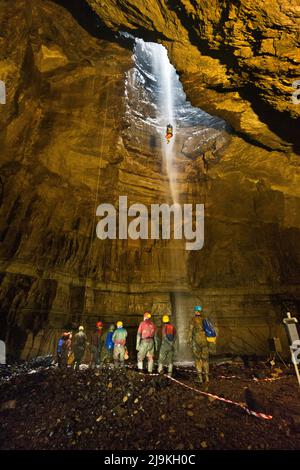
[[68, 145]]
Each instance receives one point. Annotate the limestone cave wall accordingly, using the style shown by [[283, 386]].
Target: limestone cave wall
[[68, 143]]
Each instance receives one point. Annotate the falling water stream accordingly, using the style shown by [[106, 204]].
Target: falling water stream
[[157, 73], [157, 99], [165, 74]]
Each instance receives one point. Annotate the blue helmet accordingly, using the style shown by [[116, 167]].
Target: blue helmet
[[198, 308]]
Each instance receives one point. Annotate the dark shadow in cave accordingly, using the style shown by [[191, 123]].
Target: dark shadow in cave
[[278, 122], [88, 19]]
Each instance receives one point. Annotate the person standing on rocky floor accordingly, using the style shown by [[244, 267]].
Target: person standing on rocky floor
[[108, 347], [79, 345], [146, 342], [67, 349], [119, 340], [59, 350], [64, 350], [167, 347], [199, 345], [96, 345]]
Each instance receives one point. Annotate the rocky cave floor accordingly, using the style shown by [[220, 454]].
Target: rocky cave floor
[[119, 410]]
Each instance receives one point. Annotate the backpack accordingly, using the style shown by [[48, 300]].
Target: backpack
[[148, 330], [209, 330], [60, 345], [108, 341], [170, 332]]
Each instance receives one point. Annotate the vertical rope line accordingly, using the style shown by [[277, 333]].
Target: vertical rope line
[[97, 189]]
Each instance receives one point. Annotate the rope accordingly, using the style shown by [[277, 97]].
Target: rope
[[97, 188], [268, 379], [243, 406], [216, 397]]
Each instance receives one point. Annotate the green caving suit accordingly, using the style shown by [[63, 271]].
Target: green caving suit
[[200, 348], [79, 343], [166, 352], [119, 340]]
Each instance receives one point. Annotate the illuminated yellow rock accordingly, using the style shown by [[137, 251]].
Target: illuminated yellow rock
[[50, 58]]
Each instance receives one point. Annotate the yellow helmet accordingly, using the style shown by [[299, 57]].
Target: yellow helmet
[[211, 339], [166, 319], [119, 324], [147, 315]]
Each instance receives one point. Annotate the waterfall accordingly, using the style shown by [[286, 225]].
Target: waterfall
[[155, 98], [166, 85], [164, 75], [155, 74]]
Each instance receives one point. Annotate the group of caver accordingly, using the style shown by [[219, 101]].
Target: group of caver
[[110, 346]]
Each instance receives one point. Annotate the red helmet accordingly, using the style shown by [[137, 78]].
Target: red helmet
[[99, 324]]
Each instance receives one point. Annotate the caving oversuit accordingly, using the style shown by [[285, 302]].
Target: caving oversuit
[[119, 340], [146, 343], [200, 348], [167, 347], [79, 344]]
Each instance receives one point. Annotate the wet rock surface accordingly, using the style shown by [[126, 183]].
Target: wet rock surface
[[110, 409]]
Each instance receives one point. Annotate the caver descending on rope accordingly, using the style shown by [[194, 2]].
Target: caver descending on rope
[[169, 133]]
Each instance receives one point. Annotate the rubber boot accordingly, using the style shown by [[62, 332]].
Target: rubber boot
[[160, 368], [140, 365], [170, 370], [206, 378], [150, 366]]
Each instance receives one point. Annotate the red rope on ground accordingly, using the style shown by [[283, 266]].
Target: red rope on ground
[[216, 397]]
